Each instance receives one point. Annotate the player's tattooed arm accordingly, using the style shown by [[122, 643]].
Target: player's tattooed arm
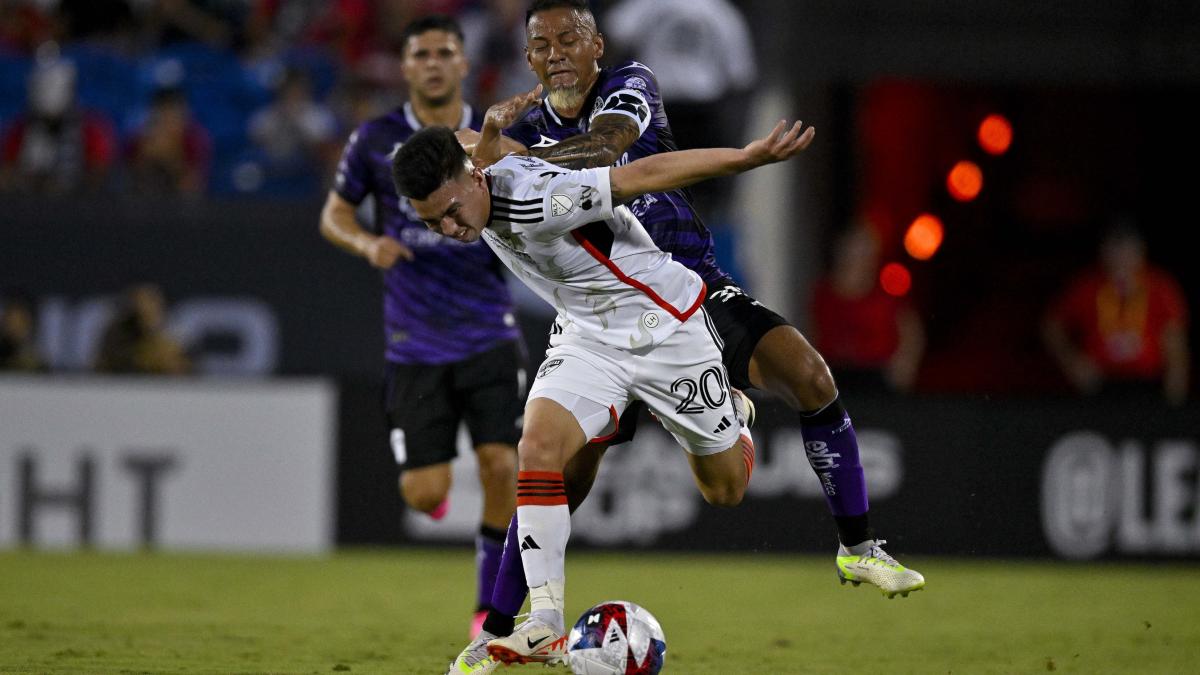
[[608, 139]]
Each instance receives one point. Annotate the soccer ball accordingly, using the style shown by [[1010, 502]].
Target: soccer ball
[[616, 638]]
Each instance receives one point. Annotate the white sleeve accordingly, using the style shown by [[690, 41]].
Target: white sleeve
[[573, 199]]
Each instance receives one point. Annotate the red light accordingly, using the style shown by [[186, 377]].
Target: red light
[[965, 181], [995, 134], [895, 279], [924, 236]]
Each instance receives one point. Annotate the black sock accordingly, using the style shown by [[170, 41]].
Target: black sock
[[498, 624], [493, 533], [853, 529]]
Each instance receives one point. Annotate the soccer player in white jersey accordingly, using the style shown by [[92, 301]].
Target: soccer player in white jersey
[[631, 325]]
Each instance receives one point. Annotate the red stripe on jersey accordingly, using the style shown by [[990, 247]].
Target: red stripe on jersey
[[612, 410], [623, 278]]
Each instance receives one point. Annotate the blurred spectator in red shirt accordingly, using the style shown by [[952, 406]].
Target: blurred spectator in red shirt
[[870, 339], [56, 146], [1121, 326], [171, 152], [23, 26]]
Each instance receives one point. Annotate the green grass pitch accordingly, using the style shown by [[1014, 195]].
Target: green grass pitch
[[407, 612]]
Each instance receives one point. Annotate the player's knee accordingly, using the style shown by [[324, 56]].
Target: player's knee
[[538, 452], [423, 494], [724, 495], [498, 466], [811, 383]]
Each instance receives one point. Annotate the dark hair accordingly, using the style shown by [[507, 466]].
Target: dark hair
[[543, 5], [429, 158], [432, 22]]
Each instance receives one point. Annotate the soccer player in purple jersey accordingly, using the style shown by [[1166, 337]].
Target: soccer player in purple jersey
[[596, 117], [453, 350]]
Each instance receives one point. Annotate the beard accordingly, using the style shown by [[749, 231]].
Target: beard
[[567, 97]]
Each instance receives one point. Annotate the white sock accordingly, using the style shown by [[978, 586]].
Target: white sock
[[542, 532]]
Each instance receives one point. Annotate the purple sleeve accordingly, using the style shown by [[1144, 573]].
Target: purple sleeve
[[629, 89], [524, 132], [352, 181]]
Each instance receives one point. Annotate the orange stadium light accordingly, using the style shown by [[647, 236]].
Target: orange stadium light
[[924, 236], [995, 134], [965, 181], [895, 279]]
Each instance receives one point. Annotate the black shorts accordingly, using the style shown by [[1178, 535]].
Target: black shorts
[[741, 321], [424, 404]]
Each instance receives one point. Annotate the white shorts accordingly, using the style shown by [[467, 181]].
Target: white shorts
[[682, 380]]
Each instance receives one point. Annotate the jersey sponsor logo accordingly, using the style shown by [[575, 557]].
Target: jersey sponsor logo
[[636, 82], [561, 205], [650, 319], [586, 196], [544, 142], [819, 456], [549, 367], [528, 544]]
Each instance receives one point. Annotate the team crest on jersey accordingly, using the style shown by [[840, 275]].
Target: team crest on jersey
[[635, 82], [561, 205], [549, 367]]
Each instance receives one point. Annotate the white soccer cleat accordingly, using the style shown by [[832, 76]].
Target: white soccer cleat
[[874, 566], [534, 641], [475, 660]]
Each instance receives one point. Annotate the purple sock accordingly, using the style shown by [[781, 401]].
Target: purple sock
[[489, 547], [510, 590], [832, 450]]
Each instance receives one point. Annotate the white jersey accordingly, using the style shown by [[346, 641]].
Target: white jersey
[[560, 234]]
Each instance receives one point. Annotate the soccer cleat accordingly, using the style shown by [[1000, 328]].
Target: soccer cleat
[[475, 660], [875, 566], [744, 406], [534, 641]]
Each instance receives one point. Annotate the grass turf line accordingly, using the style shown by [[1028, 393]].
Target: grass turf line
[[407, 612]]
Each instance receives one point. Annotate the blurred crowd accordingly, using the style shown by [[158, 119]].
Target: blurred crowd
[[222, 97]]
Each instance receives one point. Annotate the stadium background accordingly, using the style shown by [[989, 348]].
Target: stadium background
[[276, 445]]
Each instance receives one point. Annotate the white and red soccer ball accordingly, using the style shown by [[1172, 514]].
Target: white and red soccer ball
[[616, 638]]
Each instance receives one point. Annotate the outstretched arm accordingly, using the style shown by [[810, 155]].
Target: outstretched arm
[[673, 170]]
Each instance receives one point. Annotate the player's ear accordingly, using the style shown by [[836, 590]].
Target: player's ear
[[598, 40]]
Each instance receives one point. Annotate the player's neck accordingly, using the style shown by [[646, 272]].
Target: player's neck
[[430, 114]]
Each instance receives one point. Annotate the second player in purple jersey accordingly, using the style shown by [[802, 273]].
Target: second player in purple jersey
[[630, 88], [438, 307]]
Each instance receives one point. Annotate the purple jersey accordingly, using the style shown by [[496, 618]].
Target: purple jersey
[[629, 88], [449, 303]]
